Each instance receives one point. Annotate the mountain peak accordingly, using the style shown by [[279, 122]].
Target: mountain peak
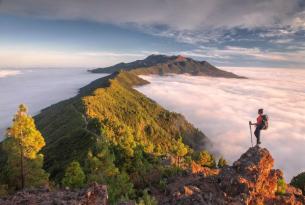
[[180, 58], [162, 64]]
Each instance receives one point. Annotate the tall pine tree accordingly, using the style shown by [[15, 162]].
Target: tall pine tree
[[22, 144]]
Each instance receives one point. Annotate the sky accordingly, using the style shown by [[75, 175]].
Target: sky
[[222, 108], [97, 33]]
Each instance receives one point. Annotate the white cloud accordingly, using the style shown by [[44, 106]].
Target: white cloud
[[19, 58], [38, 88], [6, 73], [298, 23], [255, 53], [177, 14], [221, 108]]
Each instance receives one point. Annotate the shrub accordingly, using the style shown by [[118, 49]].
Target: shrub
[[281, 186], [3, 190], [299, 182], [74, 176], [162, 184], [147, 199], [120, 187], [221, 162], [204, 158]]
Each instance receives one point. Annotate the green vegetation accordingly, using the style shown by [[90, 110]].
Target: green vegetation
[[299, 181], [281, 186], [222, 162], [22, 165], [180, 150], [74, 176], [110, 134], [205, 159], [117, 135], [147, 199]]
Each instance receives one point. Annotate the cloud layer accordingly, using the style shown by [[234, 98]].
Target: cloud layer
[[63, 59], [177, 14], [37, 88], [221, 108]]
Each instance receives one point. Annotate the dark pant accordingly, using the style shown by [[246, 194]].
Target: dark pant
[[257, 133]]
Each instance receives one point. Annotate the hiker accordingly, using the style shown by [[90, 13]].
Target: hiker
[[261, 123]]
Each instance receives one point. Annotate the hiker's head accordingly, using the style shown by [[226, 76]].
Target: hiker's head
[[260, 111]]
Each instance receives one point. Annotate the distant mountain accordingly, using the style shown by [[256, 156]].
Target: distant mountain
[[162, 64]]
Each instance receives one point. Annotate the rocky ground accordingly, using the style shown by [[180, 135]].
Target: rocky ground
[[94, 195], [251, 180]]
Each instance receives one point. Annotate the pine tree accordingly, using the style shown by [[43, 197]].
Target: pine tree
[[22, 145], [100, 164], [180, 150], [74, 176], [221, 162], [147, 199], [119, 186], [206, 159], [101, 169]]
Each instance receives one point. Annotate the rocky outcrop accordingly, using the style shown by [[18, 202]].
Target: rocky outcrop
[[94, 195], [251, 180]]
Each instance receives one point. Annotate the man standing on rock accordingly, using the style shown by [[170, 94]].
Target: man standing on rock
[[260, 124]]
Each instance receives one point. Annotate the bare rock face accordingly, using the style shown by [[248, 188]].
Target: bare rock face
[[249, 181], [95, 195]]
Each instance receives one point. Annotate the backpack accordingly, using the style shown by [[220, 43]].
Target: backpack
[[265, 122]]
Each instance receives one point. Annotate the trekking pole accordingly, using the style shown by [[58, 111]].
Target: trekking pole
[[251, 133]]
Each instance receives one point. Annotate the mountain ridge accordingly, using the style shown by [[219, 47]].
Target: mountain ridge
[[104, 99], [162, 65], [120, 137], [111, 104]]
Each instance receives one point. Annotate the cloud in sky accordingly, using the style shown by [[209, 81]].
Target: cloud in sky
[[188, 21], [221, 108], [178, 14], [253, 31], [294, 58]]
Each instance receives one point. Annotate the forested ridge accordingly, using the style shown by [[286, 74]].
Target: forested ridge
[[112, 134]]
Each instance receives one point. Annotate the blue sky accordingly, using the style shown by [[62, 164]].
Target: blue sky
[[92, 33]]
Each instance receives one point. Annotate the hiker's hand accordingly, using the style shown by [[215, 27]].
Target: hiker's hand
[[250, 123]]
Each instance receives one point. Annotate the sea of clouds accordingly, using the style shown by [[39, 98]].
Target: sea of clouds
[[6, 73], [222, 108], [37, 88]]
